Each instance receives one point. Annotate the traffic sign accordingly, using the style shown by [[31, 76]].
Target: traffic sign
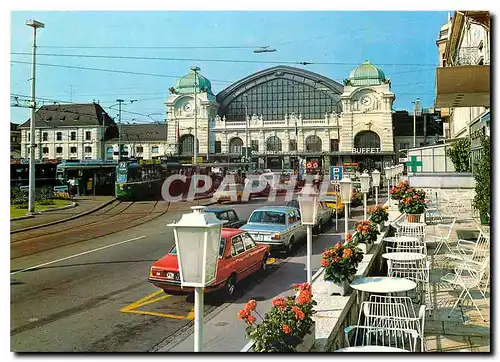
[[336, 173]]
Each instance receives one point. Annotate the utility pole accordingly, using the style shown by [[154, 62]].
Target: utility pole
[[31, 188], [416, 112], [195, 152], [120, 101]]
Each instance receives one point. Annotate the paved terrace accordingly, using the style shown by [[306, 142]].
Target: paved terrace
[[465, 330]]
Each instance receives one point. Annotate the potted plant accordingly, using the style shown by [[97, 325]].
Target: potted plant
[[365, 235], [287, 327], [341, 263], [379, 215], [355, 198], [398, 191], [413, 204]]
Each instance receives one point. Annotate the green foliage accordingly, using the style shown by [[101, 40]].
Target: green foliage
[[46, 193], [482, 174], [18, 196], [460, 155]]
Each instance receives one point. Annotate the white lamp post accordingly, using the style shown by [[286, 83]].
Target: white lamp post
[[197, 240], [308, 204], [345, 195], [31, 174], [365, 187], [388, 178], [376, 183]]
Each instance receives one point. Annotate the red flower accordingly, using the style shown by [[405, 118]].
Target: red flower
[[251, 319], [349, 237], [243, 314], [298, 313], [286, 329], [279, 302], [304, 297], [251, 305], [301, 286], [347, 253], [324, 262]]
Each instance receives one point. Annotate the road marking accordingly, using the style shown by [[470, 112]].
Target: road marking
[[271, 261], [76, 255], [149, 299]]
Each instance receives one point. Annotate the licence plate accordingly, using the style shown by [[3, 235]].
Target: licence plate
[[258, 237]]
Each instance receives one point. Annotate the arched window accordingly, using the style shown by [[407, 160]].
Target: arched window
[[235, 145], [367, 139], [186, 145], [313, 143], [273, 143]]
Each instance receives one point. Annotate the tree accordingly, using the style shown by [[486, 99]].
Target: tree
[[460, 155], [482, 174]]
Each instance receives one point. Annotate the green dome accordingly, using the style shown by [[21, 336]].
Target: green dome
[[185, 85], [366, 74]]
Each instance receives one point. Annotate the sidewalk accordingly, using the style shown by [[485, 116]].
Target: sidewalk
[[84, 204]]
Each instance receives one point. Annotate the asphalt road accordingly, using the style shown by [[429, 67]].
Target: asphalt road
[[94, 295]]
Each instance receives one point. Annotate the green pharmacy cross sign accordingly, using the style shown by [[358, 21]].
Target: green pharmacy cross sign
[[413, 163]]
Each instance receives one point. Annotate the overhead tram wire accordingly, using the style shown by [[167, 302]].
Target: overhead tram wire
[[149, 47], [217, 60], [110, 70]]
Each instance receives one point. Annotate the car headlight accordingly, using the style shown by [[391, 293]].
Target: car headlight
[[276, 236]]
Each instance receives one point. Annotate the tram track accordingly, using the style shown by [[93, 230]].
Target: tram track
[[117, 217]]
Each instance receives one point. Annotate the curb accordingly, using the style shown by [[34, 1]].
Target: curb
[[62, 220]]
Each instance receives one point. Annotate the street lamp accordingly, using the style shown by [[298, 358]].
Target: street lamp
[[345, 195], [376, 183], [388, 178], [308, 205], [31, 176], [365, 186], [197, 240], [195, 69], [417, 111]]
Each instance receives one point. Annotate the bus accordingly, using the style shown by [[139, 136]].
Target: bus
[[142, 179]]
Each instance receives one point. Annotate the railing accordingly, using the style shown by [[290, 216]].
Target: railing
[[468, 56]]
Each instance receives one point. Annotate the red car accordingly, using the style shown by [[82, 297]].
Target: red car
[[239, 257]]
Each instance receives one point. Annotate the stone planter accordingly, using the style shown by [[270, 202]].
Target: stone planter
[[414, 217], [308, 342], [380, 227], [365, 248], [341, 289]]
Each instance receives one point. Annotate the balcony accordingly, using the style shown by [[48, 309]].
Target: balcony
[[463, 86], [468, 56]]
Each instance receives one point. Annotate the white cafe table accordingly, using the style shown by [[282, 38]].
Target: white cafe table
[[383, 285], [371, 349], [395, 239], [398, 256]]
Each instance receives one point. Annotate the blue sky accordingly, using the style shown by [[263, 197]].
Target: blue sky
[[401, 43]]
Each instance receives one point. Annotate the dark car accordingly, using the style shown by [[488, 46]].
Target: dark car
[[229, 215]]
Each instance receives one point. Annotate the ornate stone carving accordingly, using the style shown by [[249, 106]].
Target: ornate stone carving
[[217, 118], [224, 118], [254, 118]]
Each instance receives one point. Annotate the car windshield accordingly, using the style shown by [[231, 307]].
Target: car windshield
[[269, 217], [173, 251]]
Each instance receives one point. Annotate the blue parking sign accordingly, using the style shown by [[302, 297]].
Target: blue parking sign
[[336, 173]]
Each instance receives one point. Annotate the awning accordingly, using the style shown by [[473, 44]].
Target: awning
[[463, 86]]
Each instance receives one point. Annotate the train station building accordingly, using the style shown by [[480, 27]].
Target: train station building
[[283, 117]]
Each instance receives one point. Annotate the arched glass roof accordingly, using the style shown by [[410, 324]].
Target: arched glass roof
[[280, 90]]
